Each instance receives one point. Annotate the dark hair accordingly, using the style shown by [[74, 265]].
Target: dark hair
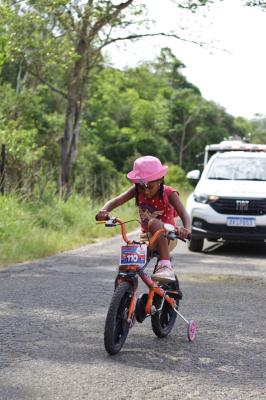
[[136, 195], [161, 189]]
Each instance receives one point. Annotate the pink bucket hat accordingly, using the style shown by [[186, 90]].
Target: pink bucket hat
[[147, 169]]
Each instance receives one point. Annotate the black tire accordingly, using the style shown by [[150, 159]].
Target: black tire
[[116, 324], [196, 244], [162, 322]]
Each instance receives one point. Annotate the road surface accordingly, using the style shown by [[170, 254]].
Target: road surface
[[52, 315]]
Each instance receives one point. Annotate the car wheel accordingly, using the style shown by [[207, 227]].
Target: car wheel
[[196, 244]]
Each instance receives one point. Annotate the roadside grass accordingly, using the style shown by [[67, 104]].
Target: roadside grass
[[32, 229]]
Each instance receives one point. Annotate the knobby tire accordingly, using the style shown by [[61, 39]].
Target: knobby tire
[[163, 321], [116, 324]]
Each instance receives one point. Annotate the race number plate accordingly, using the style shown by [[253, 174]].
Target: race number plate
[[133, 254], [241, 221]]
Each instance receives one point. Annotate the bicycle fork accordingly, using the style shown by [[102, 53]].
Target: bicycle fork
[[129, 275]]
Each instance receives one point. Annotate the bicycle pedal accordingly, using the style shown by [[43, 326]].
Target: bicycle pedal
[[179, 295], [176, 294]]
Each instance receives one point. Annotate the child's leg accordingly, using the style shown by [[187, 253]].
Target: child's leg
[[162, 242], [164, 271]]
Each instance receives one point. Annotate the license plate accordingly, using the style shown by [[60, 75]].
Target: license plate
[[241, 221], [133, 254]]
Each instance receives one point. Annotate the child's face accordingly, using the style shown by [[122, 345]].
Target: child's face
[[150, 189]]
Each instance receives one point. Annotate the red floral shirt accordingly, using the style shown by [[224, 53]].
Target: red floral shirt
[[156, 207]]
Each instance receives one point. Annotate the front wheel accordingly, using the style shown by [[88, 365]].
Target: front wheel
[[116, 323]]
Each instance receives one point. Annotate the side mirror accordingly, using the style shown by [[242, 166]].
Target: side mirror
[[193, 176]]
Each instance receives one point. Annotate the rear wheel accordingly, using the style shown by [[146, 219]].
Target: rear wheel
[[116, 324], [162, 322], [196, 244]]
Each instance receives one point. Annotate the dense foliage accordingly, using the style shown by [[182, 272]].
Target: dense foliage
[[61, 106], [67, 117]]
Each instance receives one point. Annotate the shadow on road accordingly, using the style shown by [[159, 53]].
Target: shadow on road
[[223, 332], [250, 250]]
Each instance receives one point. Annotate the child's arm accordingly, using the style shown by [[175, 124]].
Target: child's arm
[[183, 214], [114, 203]]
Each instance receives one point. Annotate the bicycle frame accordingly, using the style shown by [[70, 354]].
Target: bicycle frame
[[128, 273], [139, 270], [152, 285]]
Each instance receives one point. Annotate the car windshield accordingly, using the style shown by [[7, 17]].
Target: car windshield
[[238, 168]]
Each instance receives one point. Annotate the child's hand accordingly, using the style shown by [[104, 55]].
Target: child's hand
[[183, 232], [102, 215]]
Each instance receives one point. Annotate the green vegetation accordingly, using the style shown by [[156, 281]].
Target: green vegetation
[[30, 229], [70, 121], [72, 125], [151, 109]]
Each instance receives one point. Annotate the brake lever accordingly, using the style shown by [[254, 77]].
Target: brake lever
[[173, 235], [188, 238], [180, 238], [110, 222]]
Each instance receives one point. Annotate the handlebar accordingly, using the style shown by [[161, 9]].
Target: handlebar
[[114, 221], [173, 235]]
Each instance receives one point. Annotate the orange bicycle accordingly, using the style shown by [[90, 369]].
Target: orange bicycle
[[160, 303]]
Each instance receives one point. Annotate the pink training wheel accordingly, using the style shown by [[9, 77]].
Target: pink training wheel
[[191, 330]]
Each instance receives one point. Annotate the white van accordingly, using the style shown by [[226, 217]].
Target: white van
[[230, 144], [229, 201]]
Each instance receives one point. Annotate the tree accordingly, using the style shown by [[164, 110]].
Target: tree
[[257, 3], [170, 67], [4, 38], [19, 123], [186, 111], [60, 43], [126, 115]]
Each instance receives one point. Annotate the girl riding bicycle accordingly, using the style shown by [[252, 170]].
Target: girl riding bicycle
[[157, 204]]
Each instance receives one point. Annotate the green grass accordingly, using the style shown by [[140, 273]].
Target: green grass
[[31, 230]]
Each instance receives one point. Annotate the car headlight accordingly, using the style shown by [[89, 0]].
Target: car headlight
[[205, 198]]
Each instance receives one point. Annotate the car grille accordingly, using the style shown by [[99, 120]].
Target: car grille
[[220, 229], [232, 232], [239, 206]]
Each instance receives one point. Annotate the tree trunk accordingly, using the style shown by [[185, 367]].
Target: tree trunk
[[2, 169], [69, 145], [186, 122], [75, 96], [94, 192], [182, 141], [86, 60]]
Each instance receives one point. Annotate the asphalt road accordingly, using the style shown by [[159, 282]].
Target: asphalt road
[[52, 315]]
